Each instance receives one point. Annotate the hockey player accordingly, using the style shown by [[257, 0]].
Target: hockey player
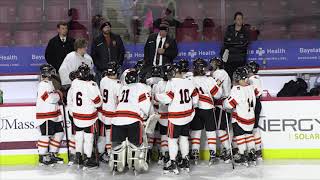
[[48, 117], [242, 101], [180, 95], [255, 80], [132, 110], [219, 74], [184, 65], [162, 109], [208, 90], [84, 99], [109, 88]]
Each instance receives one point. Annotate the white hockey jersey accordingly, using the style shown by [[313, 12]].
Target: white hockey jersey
[[257, 84], [134, 104], [153, 80], [109, 89], [181, 95], [162, 108], [47, 107], [222, 75], [243, 100], [208, 90], [84, 99], [71, 63]]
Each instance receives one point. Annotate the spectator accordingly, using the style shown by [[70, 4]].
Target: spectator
[[173, 23], [106, 48], [76, 29], [59, 46], [160, 48], [236, 41], [96, 21], [73, 60]]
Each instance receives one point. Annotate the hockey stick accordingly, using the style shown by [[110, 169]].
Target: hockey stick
[[66, 131], [95, 143], [230, 141]]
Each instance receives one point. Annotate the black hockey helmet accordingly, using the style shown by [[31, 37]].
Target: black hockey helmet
[[132, 77], [253, 67], [199, 67], [112, 69], [73, 75], [156, 71], [169, 71], [139, 65], [47, 70], [182, 65], [215, 61], [241, 73], [84, 72]]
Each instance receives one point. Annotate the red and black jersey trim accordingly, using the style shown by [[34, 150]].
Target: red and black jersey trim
[[142, 97], [170, 94], [181, 114], [194, 93], [45, 96], [97, 100], [233, 103], [163, 115], [109, 114], [243, 120], [128, 114], [85, 116], [214, 90], [205, 99], [48, 115]]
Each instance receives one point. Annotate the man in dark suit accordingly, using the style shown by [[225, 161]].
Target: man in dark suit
[[105, 48], [160, 48], [59, 46]]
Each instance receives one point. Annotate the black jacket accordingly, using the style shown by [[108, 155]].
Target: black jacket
[[56, 51], [100, 51], [170, 46], [237, 43]]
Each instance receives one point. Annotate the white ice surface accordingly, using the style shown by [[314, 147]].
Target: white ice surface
[[284, 170]]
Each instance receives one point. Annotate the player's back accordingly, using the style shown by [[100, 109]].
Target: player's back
[[245, 101], [109, 89], [134, 104], [85, 98], [207, 88], [180, 110]]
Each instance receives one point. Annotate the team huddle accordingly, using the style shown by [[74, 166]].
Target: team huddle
[[128, 121]]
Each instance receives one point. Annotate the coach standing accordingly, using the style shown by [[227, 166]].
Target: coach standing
[[59, 46], [160, 48], [105, 48], [236, 41]]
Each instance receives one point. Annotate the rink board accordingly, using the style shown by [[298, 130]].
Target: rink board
[[290, 129]]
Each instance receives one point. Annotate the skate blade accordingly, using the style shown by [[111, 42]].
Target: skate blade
[[174, 172], [46, 165], [59, 162], [227, 161], [186, 170], [89, 168], [70, 163]]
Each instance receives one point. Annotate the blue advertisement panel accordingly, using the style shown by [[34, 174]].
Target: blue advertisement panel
[[269, 54]]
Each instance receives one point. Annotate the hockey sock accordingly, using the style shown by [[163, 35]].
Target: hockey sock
[[108, 141], [72, 145], [212, 140], [184, 146], [250, 141], [173, 148], [79, 141], [257, 138], [150, 140], [224, 139], [157, 139], [241, 143], [164, 143], [195, 139], [88, 144], [101, 144], [55, 142], [43, 145]]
